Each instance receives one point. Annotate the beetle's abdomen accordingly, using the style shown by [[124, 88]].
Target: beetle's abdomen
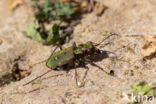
[[60, 58]]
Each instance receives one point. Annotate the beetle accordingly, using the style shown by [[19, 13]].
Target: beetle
[[72, 56]]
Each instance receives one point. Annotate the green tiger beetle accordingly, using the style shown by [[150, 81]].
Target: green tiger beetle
[[73, 56]]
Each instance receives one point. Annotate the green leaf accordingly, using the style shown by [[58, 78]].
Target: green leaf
[[63, 9], [31, 32], [47, 3], [54, 35], [141, 88], [49, 11], [45, 13]]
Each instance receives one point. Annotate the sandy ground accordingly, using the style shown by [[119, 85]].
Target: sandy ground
[[124, 17]]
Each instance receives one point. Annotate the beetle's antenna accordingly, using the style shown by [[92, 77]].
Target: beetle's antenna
[[39, 62], [45, 59], [111, 34], [39, 76]]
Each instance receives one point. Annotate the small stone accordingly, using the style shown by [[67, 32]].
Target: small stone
[[67, 94], [99, 9], [79, 84]]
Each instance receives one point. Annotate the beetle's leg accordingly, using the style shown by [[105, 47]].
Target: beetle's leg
[[54, 50], [111, 34], [57, 45], [86, 72], [74, 44], [39, 76], [104, 45], [60, 46], [76, 77], [93, 64], [83, 64], [76, 74]]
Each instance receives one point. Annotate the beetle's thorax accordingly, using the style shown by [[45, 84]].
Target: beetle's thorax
[[85, 49], [82, 48]]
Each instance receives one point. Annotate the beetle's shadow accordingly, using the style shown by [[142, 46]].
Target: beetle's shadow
[[93, 59], [99, 57]]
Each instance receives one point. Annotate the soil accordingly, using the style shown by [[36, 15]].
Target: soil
[[130, 19]]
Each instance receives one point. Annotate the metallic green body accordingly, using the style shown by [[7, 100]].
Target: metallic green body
[[71, 56], [62, 57]]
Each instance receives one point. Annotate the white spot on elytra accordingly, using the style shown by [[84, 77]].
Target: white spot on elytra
[[56, 58]]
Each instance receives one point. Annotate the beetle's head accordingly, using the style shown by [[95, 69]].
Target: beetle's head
[[90, 48]]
